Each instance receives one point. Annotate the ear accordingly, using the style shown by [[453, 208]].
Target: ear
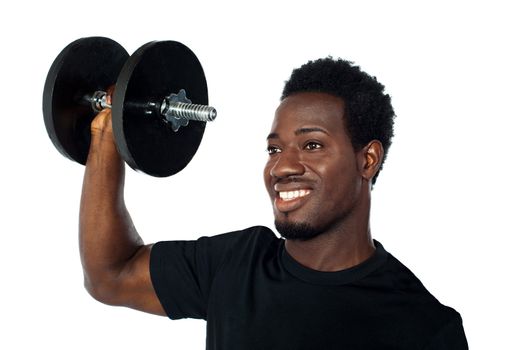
[[370, 159]]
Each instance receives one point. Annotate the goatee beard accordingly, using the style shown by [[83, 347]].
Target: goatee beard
[[300, 231]]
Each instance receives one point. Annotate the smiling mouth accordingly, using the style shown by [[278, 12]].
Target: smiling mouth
[[288, 201], [292, 195]]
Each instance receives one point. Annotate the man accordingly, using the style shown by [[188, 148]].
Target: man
[[327, 285]]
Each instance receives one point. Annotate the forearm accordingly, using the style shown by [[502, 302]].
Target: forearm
[[107, 237]]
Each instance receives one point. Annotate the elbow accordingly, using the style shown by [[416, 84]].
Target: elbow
[[102, 292]]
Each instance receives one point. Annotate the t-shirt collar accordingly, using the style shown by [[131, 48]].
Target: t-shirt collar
[[346, 276]]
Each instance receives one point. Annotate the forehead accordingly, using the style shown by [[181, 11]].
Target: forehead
[[309, 109]]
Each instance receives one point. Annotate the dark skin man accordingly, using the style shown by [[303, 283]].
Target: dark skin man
[[326, 284], [316, 180], [309, 153]]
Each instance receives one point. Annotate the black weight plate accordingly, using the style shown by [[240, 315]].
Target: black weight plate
[[83, 67], [145, 141]]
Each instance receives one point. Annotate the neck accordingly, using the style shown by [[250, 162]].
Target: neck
[[345, 245]]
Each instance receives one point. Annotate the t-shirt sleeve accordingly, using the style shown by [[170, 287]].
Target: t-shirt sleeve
[[451, 337], [182, 273]]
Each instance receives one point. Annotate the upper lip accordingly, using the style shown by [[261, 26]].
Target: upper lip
[[281, 186]]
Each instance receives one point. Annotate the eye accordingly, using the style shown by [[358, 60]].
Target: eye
[[273, 150], [312, 145]]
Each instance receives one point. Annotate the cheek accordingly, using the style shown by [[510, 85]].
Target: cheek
[[266, 177], [342, 180]]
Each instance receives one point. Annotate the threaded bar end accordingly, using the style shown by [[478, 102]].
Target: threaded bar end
[[192, 111]]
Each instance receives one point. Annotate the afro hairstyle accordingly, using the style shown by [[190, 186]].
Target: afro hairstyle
[[368, 111]]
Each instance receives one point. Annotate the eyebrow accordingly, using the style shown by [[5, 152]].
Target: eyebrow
[[298, 132]]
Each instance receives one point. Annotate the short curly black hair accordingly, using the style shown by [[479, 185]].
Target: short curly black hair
[[368, 113]]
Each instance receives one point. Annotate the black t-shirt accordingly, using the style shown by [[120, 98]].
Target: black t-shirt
[[255, 296]]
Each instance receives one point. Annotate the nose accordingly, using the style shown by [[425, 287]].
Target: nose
[[287, 164]]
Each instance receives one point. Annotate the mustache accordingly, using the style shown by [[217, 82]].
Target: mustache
[[291, 179]]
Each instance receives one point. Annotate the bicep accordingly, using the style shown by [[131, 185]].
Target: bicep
[[134, 284], [173, 278]]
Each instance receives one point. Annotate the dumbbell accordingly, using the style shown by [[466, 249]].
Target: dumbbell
[[159, 103]]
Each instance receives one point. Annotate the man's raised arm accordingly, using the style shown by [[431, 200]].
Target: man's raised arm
[[114, 258]]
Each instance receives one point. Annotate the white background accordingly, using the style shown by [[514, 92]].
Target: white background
[[445, 204]]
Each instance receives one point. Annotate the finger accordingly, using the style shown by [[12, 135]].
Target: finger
[[109, 93], [102, 121]]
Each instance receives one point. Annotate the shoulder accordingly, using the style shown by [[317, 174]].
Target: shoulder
[[403, 281], [450, 336], [217, 248], [249, 236], [225, 240], [419, 307], [248, 243]]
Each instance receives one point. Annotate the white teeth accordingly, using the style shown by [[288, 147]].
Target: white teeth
[[289, 195]]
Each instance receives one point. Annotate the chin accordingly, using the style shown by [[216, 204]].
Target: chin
[[300, 231]]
